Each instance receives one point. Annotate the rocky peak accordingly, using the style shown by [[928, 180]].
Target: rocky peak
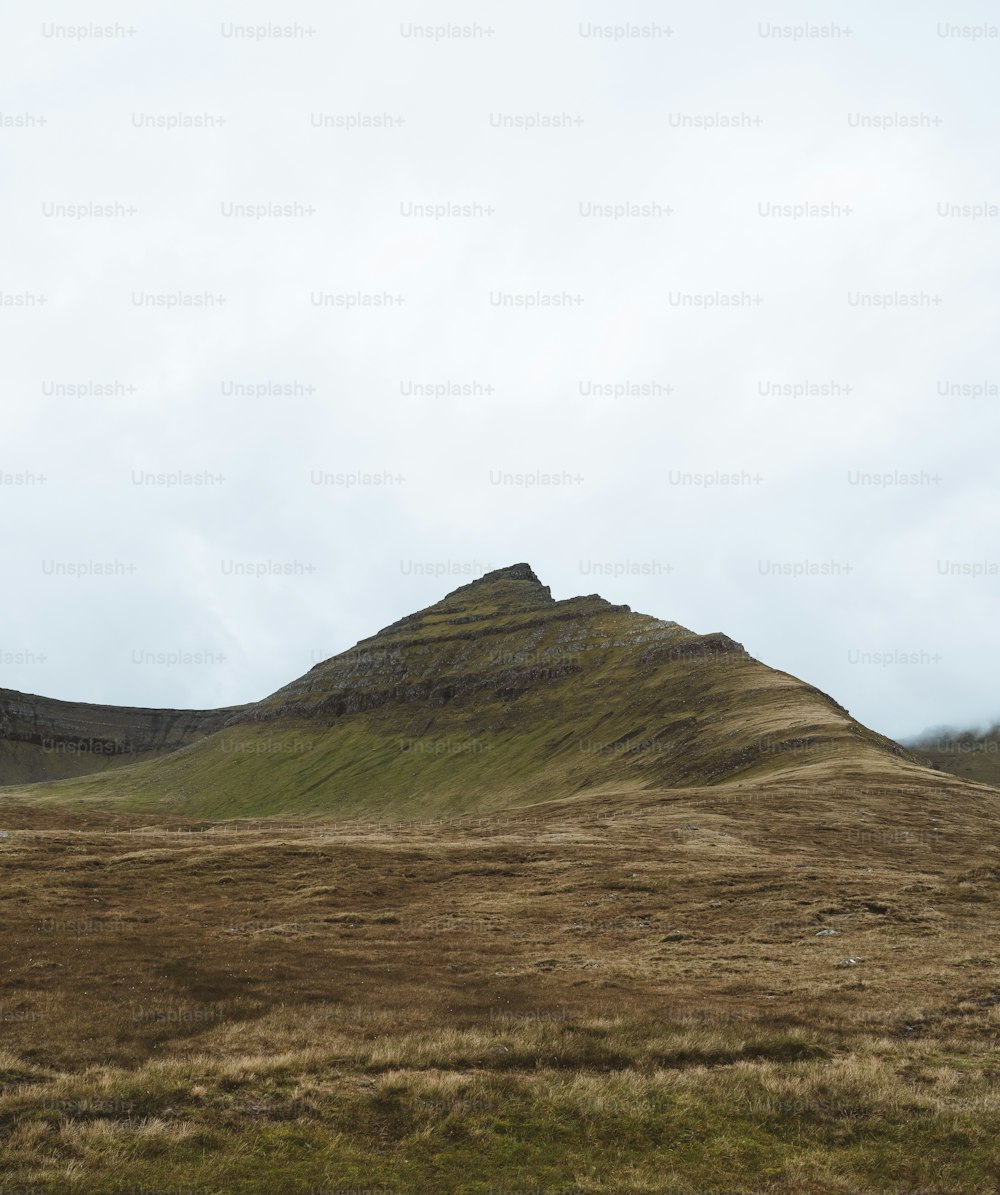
[[515, 584], [513, 572]]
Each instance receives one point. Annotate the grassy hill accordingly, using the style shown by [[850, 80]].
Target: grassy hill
[[499, 695]]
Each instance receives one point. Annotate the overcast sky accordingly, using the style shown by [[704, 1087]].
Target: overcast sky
[[401, 302]]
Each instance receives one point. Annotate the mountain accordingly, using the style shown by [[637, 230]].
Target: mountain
[[971, 754], [497, 695]]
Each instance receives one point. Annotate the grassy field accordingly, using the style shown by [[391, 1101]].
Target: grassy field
[[779, 988]]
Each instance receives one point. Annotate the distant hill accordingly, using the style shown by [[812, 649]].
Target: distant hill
[[495, 695], [45, 739], [971, 754]]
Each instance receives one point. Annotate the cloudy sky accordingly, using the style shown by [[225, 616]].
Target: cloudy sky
[[311, 313]]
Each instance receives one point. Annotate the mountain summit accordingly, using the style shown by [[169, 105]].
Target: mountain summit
[[513, 572]]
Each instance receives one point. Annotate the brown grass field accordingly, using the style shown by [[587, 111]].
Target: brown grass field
[[616, 993]]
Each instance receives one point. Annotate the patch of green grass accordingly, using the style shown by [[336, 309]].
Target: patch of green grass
[[699, 1130]]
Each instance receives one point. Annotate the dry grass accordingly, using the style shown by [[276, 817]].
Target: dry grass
[[563, 1001]]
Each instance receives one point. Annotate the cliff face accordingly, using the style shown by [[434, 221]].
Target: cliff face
[[45, 739]]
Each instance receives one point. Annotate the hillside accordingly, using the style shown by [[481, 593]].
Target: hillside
[[500, 695]]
